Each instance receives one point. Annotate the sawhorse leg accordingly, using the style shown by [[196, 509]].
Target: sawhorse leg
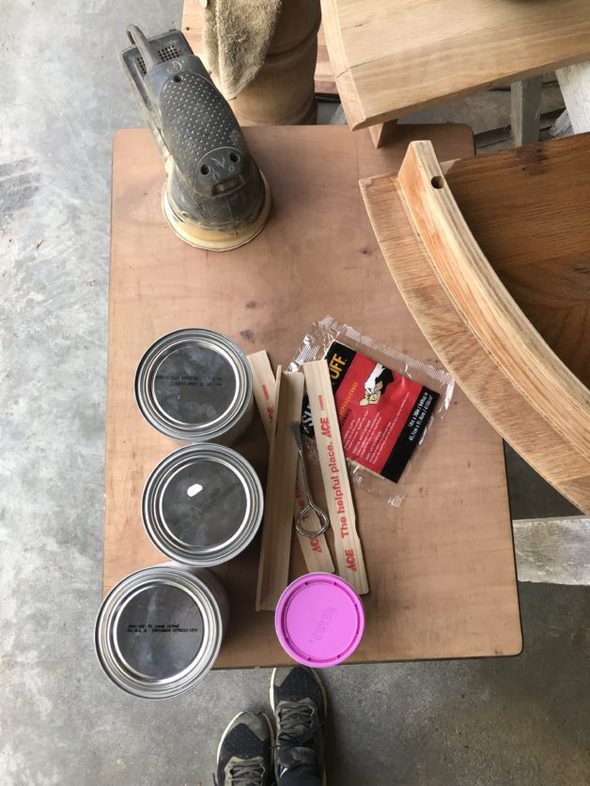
[[574, 82], [525, 110]]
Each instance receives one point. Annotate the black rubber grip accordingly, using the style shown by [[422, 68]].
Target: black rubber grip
[[197, 121]]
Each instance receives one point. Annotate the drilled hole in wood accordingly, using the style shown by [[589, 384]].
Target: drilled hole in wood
[[437, 181]]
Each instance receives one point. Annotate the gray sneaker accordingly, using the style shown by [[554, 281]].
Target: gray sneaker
[[299, 702], [244, 756]]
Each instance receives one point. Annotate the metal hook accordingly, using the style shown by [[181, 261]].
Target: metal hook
[[311, 505]]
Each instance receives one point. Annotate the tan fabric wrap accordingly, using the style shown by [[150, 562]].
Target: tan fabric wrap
[[236, 37]]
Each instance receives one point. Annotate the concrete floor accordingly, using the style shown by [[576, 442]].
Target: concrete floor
[[500, 721]]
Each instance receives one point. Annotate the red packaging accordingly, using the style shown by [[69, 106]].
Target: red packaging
[[382, 413], [387, 402]]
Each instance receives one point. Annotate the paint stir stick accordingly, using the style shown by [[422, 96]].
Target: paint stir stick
[[277, 525], [315, 550], [347, 544]]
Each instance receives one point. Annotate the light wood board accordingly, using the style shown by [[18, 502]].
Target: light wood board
[[574, 83], [277, 526], [526, 96], [553, 551], [441, 567], [192, 27], [392, 58], [315, 550], [471, 319], [332, 461]]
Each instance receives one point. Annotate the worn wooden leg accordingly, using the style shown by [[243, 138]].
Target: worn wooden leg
[[561, 127], [381, 134], [338, 118], [553, 551], [525, 110], [574, 82]]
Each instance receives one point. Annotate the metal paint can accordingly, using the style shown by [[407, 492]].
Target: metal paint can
[[195, 385], [159, 630], [202, 505]]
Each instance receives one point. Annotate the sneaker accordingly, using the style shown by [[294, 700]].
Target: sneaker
[[299, 702], [244, 756]]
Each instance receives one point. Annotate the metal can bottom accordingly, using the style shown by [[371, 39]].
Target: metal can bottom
[[202, 505], [195, 385], [159, 630]]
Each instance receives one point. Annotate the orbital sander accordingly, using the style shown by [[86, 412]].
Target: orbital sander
[[215, 197]]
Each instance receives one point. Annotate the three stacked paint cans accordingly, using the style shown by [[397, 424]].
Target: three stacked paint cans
[[159, 630]]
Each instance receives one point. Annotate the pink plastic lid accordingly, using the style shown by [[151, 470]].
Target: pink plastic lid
[[319, 620]]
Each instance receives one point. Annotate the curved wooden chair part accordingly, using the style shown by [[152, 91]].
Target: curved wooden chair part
[[477, 329]]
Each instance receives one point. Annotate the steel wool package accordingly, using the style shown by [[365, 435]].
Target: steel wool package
[[386, 403]]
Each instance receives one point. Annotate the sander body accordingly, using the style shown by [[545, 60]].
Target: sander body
[[215, 197]]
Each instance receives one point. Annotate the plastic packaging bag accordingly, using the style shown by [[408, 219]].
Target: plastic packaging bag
[[387, 402]]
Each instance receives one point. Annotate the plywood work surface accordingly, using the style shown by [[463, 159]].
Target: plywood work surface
[[441, 567], [391, 58]]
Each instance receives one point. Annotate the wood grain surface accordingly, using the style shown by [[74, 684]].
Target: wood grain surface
[[277, 526], [553, 551], [475, 325], [340, 504], [574, 83], [316, 552], [391, 58], [527, 208], [441, 567]]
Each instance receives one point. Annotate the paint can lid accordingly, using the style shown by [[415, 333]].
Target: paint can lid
[[202, 505], [158, 632], [195, 385], [319, 620]]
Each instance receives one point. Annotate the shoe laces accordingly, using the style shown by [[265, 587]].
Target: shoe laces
[[298, 721], [246, 773]]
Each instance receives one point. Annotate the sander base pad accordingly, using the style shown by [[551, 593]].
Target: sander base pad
[[215, 239]]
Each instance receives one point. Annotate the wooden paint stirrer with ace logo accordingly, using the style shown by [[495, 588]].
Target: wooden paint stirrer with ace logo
[[315, 550], [347, 544]]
